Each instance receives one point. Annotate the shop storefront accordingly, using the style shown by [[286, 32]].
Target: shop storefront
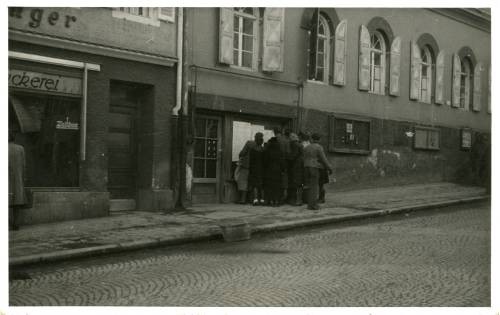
[[218, 139]]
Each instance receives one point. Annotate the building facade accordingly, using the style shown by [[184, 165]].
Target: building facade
[[398, 95], [91, 92]]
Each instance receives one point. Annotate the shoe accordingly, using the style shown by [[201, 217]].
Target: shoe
[[262, 202], [255, 202], [321, 200]]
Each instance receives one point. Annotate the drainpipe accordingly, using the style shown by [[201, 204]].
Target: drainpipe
[[183, 116], [175, 142]]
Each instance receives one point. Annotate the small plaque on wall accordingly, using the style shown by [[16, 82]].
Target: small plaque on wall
[[466, 138]]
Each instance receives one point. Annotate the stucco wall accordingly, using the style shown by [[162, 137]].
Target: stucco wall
[[98, 26]]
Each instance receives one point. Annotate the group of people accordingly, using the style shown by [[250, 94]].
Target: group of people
[[288, 168]]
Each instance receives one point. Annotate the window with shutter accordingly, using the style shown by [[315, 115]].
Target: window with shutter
[[364, 59], [476, 101], [440, 78], [415, 79], [245, 34], [340, 54], [395, 66], [226, 35], [455, 94], [273, 41], [166, 14]]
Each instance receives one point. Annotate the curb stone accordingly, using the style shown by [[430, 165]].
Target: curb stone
[[209, 235]]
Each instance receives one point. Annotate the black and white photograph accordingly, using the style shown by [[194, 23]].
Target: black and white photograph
[[279, 157]]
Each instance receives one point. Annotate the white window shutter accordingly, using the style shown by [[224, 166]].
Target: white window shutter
[[395, 66], [476, 101], [364, 59], [226, 34], [416, 71], [273, 41], [440, 78], [166, 14], [457, 69], [339, 68]]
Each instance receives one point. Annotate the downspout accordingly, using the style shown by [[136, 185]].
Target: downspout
[[178, 92], [175, 141]]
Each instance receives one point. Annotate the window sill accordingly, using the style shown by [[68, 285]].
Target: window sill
[[245, 69], [317, 82], [375, 93], [135, 18]]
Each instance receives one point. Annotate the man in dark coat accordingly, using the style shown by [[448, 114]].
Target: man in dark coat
[[274, 167], [17, 166]]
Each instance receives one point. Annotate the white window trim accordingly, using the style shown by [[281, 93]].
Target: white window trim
[[255, 17], [164, 17], [151, 20], [382, 65]]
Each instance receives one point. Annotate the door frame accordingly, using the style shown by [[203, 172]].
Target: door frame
[[219, 161]]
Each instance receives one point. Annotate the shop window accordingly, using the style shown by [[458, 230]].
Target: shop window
[[426, 138], [48, 129], [349, 135], [206, 144]]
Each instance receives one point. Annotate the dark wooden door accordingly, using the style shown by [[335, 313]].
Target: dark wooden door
[[122, 144]]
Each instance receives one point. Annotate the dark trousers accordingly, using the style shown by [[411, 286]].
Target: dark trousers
[[312, 183]]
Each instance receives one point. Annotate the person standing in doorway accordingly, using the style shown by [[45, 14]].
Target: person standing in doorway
[[17, 166], [314, 160], [295, 171], [255, 171]]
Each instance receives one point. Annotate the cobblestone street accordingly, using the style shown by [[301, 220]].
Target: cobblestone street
[[431, 258]]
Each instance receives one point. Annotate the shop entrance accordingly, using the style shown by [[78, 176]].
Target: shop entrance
[[122, 146]]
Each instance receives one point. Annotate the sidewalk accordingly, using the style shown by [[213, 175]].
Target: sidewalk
[[136, 229]]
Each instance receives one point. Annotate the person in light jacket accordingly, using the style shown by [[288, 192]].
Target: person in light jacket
[[17, 166], [314, 160]]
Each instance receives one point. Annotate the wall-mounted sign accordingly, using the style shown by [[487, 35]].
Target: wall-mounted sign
[[66, 125], [466, 138], [44, 82]]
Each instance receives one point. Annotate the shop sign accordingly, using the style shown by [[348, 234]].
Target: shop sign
[[44, 82], [67, 125]]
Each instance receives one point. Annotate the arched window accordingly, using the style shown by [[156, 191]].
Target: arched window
[[245, 34], [426, 75], [465, 83], [377, 63], [320, 50]]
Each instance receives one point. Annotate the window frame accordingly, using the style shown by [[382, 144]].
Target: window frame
[[427, 130], [466, 79], [237, 62], [429, 65], [383, 62], [327, 37]]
